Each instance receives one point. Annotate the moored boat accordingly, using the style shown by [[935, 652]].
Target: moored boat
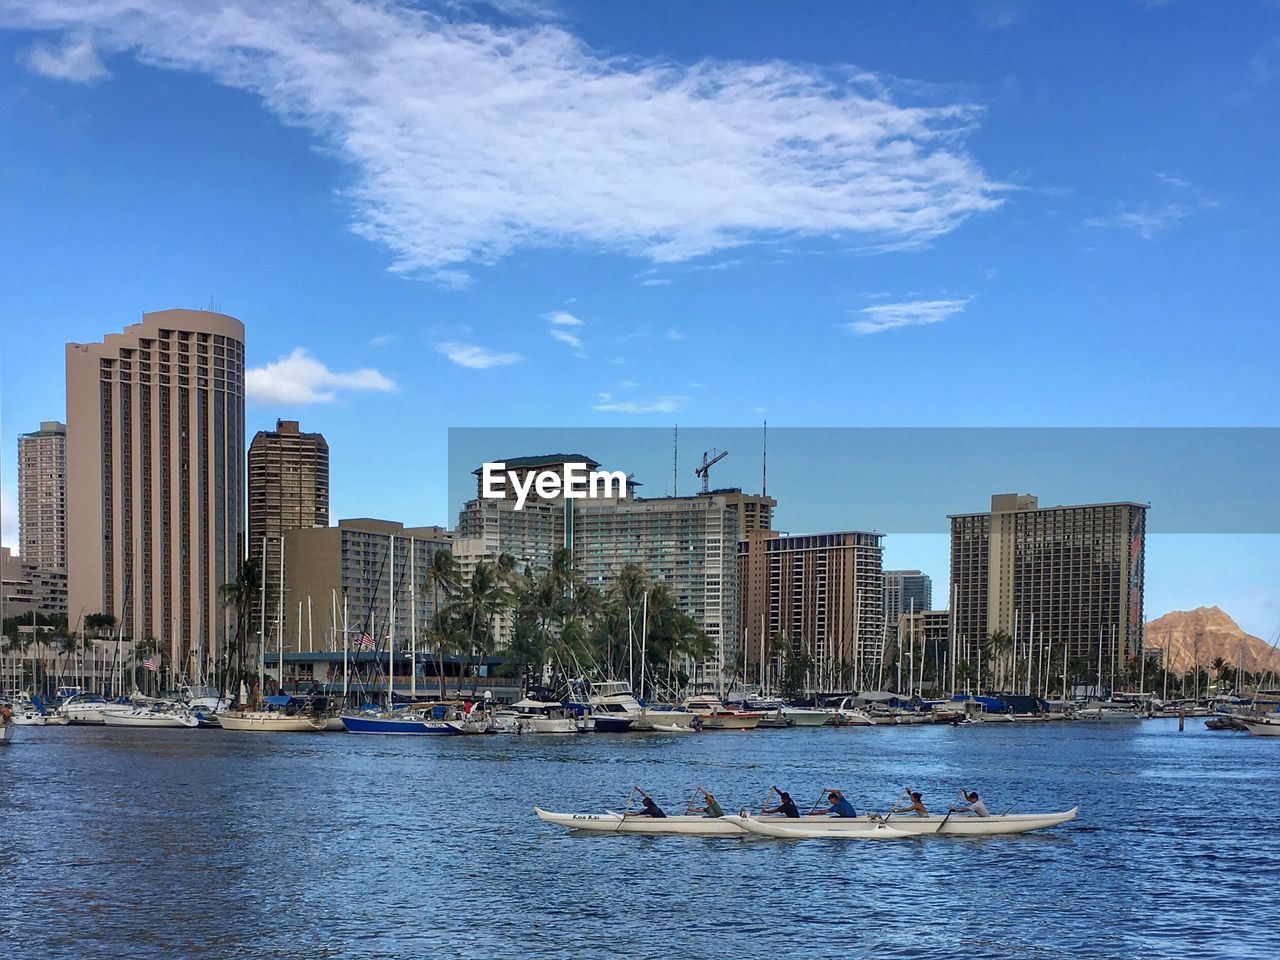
[[149, 715], [85, 709], [716, 716], [805, 717], [1267, 726]]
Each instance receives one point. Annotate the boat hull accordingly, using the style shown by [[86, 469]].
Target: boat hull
[[610, 822], [1263, 728], [400, 727], [147, 718], [957, 825], [262, 722], [806, 718], [605, 723], [6, 732], [783, 829]]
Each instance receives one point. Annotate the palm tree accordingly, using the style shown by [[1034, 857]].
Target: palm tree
[[442, 579], [480, 601], [241, 595]]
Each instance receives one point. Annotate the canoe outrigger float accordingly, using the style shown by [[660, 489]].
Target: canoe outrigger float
[[812, 827]]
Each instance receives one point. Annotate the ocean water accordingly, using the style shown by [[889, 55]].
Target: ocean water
[[191, 844]]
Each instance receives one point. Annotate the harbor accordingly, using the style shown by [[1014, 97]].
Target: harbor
[[372, 846]]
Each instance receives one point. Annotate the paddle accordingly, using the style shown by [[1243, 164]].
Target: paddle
[[905, 793], [625, 810], [1010, 807], [950, 811], [822, 796]]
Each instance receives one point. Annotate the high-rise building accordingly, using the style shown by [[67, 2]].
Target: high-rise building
[[689, 543], [350, 574], [1053, 576], [42, 496], [155, 480], [823, 589], [905, 591], [288, 490], [923, 641], [27, 587]]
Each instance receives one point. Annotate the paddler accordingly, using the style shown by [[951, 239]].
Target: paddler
[[840, 805], [785, 806], [710, 807], [972, 805], [648, 808], [916, 805]]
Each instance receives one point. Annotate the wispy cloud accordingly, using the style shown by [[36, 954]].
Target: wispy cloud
[[915, 313], [474, 356], [605, 403], [564, 336], [74, 59], [1147, 220], [656, 281], [674, 334], [1171, 180], [528, 137], [562, 319], [300, 378], [383, 340]]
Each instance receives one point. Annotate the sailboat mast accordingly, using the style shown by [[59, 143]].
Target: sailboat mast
[[262, 619], [413, 621], [644, 636], [391, 628]]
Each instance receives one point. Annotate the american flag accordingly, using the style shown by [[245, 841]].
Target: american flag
[[363, 641], [152, 662]]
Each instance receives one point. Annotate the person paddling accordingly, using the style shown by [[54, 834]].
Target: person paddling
[[972, 805], [916, 805], [648, 808], [785, 806], [840, 805], [709, 806]]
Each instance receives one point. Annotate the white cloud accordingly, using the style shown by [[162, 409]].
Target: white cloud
[[9, 528], [383, 340], [469, 140], [889, 316], [562, 319], [656, 281], [1172, 181], [301, 378], [674, 334], [476, 357], [75, 60], [564, 336], [605, 403]]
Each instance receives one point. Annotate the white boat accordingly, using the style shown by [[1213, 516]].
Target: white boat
[[155, 715], [716, 716], [268, 721], [614, 698], [849, 714], [782, 828], [804, 717], [1104, 710], [669, 728], [1268, 726], [610, 822], [537, 716], [27, 717], [85, 708]]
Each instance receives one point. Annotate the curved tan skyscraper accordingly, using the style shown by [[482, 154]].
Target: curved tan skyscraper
[[155, 480]]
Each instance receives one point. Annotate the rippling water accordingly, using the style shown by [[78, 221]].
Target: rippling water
[[207, 844]]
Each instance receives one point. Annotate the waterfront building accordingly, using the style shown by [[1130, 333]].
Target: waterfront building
[[904, 591], [155, 480], [1058, 576], [42, 496], [688, 543], [923, 638], [30, 587], [824, 589], [344, 574], [288, 490]]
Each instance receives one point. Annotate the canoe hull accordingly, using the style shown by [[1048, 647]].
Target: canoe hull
[[780, 828], [610, 822]]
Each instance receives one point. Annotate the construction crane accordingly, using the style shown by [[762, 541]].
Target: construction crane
[[709, 459]]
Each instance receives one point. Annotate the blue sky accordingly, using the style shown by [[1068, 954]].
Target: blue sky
[[572, 214]]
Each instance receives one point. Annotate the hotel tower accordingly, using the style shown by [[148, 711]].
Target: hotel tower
[[155, 480]]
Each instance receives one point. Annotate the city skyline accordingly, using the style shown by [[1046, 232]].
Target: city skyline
[[1125, 236]]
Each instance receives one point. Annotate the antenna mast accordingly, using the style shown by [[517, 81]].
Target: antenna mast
[[675, 459], [764, 462]]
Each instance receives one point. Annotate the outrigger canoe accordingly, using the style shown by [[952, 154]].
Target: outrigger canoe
[[812, 827]]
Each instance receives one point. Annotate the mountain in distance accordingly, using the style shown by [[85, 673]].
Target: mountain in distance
[[1219, 636]]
